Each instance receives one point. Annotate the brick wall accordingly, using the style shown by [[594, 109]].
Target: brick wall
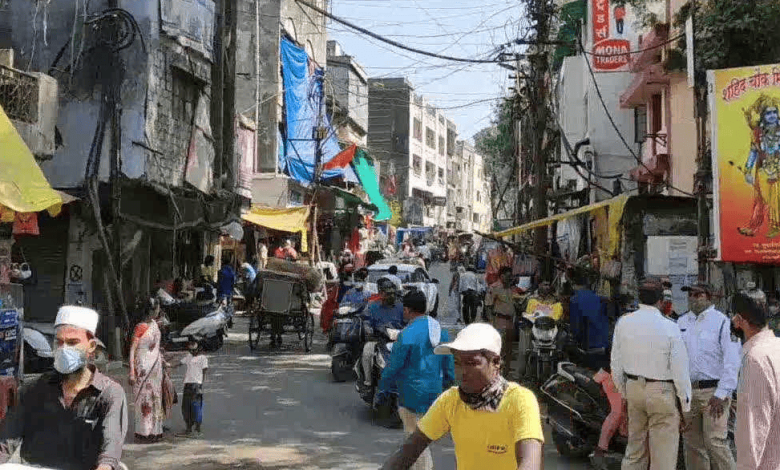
[[179, 77]]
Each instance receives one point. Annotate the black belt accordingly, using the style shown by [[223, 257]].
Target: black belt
[[704, 384], [636, 377]]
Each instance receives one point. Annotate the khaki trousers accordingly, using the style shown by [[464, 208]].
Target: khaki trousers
[[653, 426], [706, 440], [507, 330], [409, 419]]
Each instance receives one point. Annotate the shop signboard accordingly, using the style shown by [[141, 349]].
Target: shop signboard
[[744, 105], [613, 33]]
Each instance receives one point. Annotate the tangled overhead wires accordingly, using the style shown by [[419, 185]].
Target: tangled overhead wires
[[115, 29]]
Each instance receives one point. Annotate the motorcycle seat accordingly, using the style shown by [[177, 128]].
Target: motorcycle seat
[[584, 378]]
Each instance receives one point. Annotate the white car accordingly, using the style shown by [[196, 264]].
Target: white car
[[412, 276]]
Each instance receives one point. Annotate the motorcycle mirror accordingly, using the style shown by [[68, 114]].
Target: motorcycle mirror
[[435, 281]]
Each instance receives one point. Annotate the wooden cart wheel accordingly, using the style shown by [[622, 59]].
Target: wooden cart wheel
[[254, 331], [308, 333]]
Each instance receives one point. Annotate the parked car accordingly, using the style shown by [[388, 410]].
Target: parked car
[[412, 276]]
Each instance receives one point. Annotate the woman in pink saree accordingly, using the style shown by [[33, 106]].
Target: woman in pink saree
[[146, 377]]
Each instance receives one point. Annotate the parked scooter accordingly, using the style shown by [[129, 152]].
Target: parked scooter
[[347, 339], [386, 412], [576, 410], [204, 319]]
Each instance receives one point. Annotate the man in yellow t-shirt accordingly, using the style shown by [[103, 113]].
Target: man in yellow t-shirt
[[545, 304], [495, 424]]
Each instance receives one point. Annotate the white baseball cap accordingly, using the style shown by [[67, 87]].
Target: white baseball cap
[[475, 337], [80, 317]]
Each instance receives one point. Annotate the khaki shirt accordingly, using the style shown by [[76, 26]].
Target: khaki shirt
[[502, 300]]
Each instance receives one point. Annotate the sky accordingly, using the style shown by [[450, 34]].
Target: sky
[[466, 93]]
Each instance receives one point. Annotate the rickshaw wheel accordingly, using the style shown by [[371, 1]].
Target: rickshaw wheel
[[254, 331], [308, 333]]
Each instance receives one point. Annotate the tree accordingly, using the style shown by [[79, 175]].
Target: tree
[[727, 33], [497, 145]]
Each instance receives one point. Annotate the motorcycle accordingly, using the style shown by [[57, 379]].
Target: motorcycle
[[386, 411], [576, 410], [346, 338], [544, 352]]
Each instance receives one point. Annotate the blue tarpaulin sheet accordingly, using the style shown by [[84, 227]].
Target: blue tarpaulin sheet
[[305, 109]]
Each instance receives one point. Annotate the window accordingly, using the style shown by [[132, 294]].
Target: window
[[479, 196], [451, 137], [431, 110], [475, 218], [640, 124], [430, 171], [441, 176], [417, 165], [184, 95], [441, 145], [430, 138], [657, 114], [417, 126]]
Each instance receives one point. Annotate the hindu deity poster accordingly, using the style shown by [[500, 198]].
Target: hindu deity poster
[[745, 124]]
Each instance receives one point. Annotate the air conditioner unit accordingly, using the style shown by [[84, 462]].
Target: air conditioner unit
[[30, 101]]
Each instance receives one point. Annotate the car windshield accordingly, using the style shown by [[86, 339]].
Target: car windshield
[[375, 274]]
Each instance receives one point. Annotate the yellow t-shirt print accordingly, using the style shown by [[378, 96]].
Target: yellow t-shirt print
[[485, 439]]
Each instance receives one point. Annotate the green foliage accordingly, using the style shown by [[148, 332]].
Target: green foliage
[[729, 33], [496, 145]]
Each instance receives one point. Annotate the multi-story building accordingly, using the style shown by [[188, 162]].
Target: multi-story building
[[136, 139], [262, 26], [346, 86], [469, 189], [412, 139]]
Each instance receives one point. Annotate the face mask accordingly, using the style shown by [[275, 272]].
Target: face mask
[[68, 359]]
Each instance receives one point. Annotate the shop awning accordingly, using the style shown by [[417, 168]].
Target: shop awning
[[615, 206], [352, 199], [291, 219], [23, 187], [368, 178]]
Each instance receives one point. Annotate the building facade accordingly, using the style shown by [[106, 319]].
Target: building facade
[[414, 141], [346, 86], [160, 182]]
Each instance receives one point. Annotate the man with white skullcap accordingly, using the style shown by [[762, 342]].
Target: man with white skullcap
[[72, 418], [495, 424]]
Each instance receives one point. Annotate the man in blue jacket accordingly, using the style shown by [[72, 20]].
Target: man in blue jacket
[[418, 373], [589, 323]]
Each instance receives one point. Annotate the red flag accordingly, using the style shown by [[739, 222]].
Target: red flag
[[342, 159]]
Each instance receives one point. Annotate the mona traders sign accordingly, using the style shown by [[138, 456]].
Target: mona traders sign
[[745, 114], [612, 35]]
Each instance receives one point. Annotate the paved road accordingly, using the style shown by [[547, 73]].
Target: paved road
[[281, 410]]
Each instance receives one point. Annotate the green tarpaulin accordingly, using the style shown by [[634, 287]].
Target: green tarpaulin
[[364, 168], [571, 16]]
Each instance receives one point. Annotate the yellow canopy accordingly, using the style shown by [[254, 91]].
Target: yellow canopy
[[291, 219], [23, 187], [615, 205]]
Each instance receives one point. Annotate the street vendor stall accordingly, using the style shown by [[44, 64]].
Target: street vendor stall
[[617, 237]]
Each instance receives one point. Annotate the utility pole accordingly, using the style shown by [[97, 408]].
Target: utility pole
[[703, 177], [540, 13]]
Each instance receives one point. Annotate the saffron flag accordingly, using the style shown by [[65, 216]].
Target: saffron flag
[[342, 160]]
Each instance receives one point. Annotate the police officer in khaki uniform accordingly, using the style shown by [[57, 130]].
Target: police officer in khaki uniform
[[650, 370]]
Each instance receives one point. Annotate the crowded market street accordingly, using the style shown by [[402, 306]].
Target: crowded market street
[[282, 410]]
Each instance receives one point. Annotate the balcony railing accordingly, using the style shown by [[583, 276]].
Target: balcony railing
[[19, 94]]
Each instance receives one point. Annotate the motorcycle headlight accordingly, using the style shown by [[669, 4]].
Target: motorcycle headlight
[[544, 335]]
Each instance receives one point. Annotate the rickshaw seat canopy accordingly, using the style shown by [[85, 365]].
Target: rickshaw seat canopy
[[289, 219], [614, 206], [23, 186]]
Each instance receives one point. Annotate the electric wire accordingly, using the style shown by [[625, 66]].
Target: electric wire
[[396, 43], [615, 126]]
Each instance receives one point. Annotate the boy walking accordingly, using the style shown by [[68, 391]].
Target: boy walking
[[192, 401]]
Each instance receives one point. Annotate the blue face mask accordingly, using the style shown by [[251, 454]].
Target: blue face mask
[[68, 359]]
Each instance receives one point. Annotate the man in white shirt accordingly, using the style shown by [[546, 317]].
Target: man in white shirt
[[650, 370], [470, 288], [714, 360]]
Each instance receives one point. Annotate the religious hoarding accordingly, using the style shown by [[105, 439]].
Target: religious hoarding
[[745, 124]]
